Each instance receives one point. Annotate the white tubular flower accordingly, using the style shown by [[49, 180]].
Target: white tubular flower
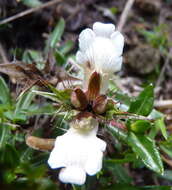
[[101, 51], [78, 152]]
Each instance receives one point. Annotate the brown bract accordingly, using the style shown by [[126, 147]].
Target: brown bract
[[90, 103]]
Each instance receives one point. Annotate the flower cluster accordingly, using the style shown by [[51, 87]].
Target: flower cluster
[[79, 151]]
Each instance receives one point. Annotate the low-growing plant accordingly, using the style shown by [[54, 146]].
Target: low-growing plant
[[97, 120]]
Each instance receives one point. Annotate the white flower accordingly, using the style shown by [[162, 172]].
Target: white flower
[[78, 152], [101, 51]]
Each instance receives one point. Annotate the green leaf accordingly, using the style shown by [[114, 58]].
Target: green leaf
[[159, 123], [122, 187], [51, 96], [64, 49], [9, 156], [4, 135], [5, 93], [24, 101], [145, 148], [123, 98], [140, 126], [17, 117], [32, 3], [155, 114], [120, 173], [167, 150], [117, 133], [128, 158], [56, 35], [46, 109], [30, 56], [153, 187], [60, 59], [143, 104], [61, 96], [167, 175]]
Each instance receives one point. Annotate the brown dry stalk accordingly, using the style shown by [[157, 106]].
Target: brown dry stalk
[[40, 143], [125, 14]]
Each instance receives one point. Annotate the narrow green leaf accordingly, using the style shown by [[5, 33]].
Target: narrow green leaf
[[159, 123], [62, 95], [4, 135], [60, 59], [57, 95], [55, 36], [24, 101], [5, 93], [66, 47], [48, 95], [117, 133], [120, 173], [167, 150], [146, 149], [143, 104]]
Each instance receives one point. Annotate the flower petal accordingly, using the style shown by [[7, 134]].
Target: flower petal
[[101, 144], [57, 157], [86, 37], [72, 174], [94, 163], [104, 30], [116, 63], [81, 58], [118, 41]]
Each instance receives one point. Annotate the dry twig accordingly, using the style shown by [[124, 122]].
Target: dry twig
[[163, 104], [29, 11], [125, 14]]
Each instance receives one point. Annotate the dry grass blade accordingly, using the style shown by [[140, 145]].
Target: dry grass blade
[[26, 74], [29, 11]]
